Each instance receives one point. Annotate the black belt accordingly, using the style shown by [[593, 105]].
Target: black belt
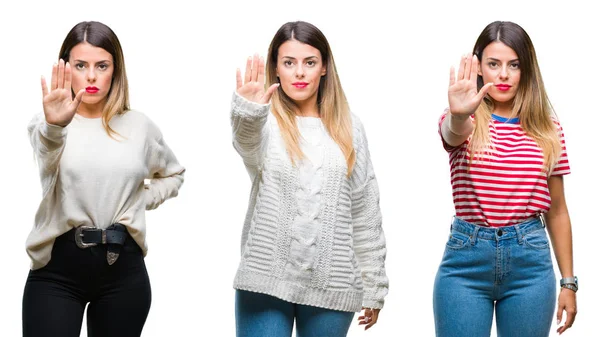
[[113, 237]]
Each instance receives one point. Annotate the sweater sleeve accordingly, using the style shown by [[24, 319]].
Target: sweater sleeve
[[369, 239], [165, 173], [250, 134], [48, 142]]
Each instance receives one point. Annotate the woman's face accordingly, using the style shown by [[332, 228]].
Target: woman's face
[[92, 69], [299, 69], [500, 65]]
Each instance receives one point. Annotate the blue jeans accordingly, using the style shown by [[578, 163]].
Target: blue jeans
[[506, 269], [260, 315]]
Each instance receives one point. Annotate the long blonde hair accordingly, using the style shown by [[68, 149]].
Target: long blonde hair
[[100, 35], [331, 100], [531, 103]]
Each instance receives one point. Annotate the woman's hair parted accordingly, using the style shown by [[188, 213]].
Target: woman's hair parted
[[531, 103], [331, 100], [100, 35]]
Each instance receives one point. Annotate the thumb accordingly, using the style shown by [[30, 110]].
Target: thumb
[[78, 98], [267, 96], [484, 90]]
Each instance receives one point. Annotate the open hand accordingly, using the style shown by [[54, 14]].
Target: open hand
[[59, 105], [463, 98], [253, 87]]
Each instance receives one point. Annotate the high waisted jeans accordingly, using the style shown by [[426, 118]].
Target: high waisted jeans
[[506, 269]]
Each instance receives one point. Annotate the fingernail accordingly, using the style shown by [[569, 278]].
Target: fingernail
[[557, 321]]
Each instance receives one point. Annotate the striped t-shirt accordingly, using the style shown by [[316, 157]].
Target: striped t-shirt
[[509, 185]]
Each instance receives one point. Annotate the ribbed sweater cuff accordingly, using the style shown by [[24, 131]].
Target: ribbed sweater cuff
[[245, 108], [52, 132]]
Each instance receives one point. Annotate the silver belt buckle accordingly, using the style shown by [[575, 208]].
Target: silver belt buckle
[[79, 237]]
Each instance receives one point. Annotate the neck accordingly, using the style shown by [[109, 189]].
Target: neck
[[504, 109], [91, 110], [308, 108]]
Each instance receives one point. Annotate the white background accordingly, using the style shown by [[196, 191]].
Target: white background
[[393, 61]]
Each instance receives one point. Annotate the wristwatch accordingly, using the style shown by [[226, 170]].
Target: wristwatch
[[570, 283]]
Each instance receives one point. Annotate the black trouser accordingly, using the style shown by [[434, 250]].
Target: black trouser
[[118, 295]]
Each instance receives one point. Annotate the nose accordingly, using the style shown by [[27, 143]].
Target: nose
[[91, 75], [504, 72], [299, 71]]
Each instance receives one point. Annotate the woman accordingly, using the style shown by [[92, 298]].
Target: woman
[[88, 242], [313, 248], [507, 159]]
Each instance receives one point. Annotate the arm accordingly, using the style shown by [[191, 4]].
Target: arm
[[248, 121], [368, 236], [166, 175], [559, 229], [48, 142], [463, 100], [47, 131], [456, 129], [249, 111]]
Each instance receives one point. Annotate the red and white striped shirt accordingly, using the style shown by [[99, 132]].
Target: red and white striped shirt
[[506, 186]]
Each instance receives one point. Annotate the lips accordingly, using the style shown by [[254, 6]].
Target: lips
[[91, 90], [503, 87], [300, 85]]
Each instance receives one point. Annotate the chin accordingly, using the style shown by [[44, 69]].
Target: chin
[[300, 97], [503, 98], [91, 100]]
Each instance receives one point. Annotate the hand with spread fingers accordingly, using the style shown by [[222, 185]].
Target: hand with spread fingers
[[566, 302], [463, 97], [59, 105], [369, 317], [253, 86]]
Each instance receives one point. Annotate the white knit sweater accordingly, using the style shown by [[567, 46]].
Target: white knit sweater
[[312, 235], [91, 179]]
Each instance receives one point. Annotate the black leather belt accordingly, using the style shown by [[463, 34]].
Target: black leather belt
[[113, 237]]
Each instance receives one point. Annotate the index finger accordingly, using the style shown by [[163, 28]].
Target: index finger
[[68, 76], [570, 319], [248, 72], [474, 68]]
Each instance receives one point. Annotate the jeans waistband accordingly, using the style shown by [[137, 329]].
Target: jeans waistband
[[497, 233]]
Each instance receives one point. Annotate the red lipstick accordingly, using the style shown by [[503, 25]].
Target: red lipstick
[[503, 87], [300, 85], [91, 89]]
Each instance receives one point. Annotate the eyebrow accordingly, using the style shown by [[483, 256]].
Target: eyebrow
[[306, 58], [493, 59], [102, 61]]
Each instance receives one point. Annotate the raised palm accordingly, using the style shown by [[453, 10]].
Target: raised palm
[[253, 86], [59, 105], [463, 98]]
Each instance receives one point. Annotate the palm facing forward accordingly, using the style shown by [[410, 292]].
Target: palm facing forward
[[59, 105]]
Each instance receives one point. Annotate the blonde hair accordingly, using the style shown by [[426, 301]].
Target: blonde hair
[[531, 103], [331, 100], [100, 35]]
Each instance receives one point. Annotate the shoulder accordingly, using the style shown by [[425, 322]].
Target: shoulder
[[358, 128], [556, 122], [141, 121]]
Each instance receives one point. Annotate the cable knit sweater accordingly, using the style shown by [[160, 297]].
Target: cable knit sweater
[[91, 179], [312, 235]]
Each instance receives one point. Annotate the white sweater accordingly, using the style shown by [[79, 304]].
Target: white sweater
[[312, 235], [91, 179]]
